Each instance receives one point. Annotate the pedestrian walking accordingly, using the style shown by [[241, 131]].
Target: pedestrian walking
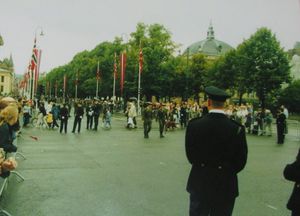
[[55, 112], [292, 173], [268, 123], [216, 147]]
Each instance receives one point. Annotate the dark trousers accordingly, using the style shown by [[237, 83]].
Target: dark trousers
[[96, 122], [201, 207], [295, 213], [77, 121], [63, 124], [147, 128], [161, 126], [89, 123], [280, 133], [54, 123]]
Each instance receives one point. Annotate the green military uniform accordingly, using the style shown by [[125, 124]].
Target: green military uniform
[[147, 118], [161, 117]]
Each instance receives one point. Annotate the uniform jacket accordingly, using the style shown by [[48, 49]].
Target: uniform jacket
[[217, 149], [292, 173], [64, 113]]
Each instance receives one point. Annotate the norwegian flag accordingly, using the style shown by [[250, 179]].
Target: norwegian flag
[[140, 61], [123, 68], [34, 57]]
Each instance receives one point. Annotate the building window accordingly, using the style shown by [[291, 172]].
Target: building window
[[2, 78], [1, 89]]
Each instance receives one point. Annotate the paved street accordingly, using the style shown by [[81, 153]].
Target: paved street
[[119, 173]]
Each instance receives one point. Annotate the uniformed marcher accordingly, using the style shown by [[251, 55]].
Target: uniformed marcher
[[147, 118], [161, 117], [292, 173], [217, 149]]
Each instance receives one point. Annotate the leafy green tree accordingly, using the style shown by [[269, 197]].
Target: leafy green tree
[[197, 73], [265, 63], [290, 97], [157, 46]]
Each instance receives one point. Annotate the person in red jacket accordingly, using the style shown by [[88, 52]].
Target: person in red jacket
[[292, 173]]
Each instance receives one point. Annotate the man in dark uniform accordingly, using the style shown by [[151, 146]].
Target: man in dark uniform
[[64, 115], [217, 149], [79, 112], [280, 122], [96, 110]]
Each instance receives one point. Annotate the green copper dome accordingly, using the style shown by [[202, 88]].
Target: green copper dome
[[210, 46]]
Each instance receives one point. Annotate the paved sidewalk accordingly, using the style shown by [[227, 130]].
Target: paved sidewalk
[[119, 173]]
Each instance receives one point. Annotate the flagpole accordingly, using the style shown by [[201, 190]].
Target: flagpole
[[55, 88], [139, 92], [97, 78], [64, 93], [50, 89], [139, 79], [115, 71], [76, 86]]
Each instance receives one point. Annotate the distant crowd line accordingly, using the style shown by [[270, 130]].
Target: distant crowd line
[[169, 115]]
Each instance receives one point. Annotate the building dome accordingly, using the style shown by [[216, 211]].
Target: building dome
[[210, 46]]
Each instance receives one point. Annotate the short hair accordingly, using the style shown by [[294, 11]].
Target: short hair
[[217, 103]]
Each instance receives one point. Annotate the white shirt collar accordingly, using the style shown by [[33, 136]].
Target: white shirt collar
[[217, 111]]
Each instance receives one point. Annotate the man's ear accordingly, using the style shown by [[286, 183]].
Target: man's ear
[[209, 102]]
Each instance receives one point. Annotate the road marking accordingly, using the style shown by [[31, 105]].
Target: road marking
[[272, 207]]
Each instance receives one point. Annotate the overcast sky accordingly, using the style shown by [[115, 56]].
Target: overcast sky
[[71, 26]]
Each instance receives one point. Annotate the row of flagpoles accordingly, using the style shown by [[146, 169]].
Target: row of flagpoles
[[28, 85]]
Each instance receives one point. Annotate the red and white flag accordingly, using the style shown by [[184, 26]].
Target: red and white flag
[[140, 61], [34, 57], [123, 68]]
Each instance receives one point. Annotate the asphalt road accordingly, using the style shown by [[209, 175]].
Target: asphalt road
[[117, 172]]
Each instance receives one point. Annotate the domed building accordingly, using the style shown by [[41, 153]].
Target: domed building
[[209, 47]]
